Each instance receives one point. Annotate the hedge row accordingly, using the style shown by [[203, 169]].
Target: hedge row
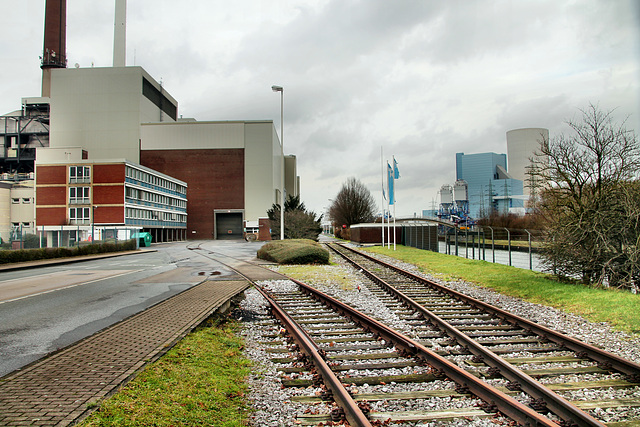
[[23, 255], [294, 251]]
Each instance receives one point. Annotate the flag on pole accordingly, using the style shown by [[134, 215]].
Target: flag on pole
[[396, 172], [390, 175]]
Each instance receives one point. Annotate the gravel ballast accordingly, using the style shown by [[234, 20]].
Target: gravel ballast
[[272, 403]]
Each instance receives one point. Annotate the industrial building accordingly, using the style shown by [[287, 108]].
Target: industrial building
[[232, 170], [489, 183], [82, 200], [490, 188]]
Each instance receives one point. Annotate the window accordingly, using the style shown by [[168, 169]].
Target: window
[[132, 193], [15, 200], [79, 216], [79, 174], [26, 200], [79, 195]]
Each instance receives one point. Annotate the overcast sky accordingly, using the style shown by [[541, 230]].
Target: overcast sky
[[420, 79]]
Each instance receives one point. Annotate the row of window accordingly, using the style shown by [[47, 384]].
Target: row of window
[[134, 213], [82, 215], [134, 193], [82, 174], [19, 224], [18, 200], [143, 176]]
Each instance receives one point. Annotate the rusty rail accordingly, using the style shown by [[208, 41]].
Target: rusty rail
[[494, 399], [612, 361], [352, 412]]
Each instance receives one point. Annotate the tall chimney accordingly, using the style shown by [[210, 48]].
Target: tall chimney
[[54, 54], [120, 34]]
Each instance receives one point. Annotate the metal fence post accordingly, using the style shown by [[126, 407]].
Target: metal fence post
[[493, 246], [456, 242], [530, 257], [473, 246], [509, 239], [466, 243]]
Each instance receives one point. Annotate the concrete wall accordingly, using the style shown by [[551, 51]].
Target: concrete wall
[[5, 210], [291, 175], [24, 211], [262, 168], [100, 110]]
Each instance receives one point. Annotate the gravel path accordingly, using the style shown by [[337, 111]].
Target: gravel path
[[272, 403]]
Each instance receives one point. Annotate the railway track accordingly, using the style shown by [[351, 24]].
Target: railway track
[[554, 374], [450, 370], [350, 358], [356, 360]]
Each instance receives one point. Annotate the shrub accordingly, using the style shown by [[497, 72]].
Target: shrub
[[294, 251], [24, 255]]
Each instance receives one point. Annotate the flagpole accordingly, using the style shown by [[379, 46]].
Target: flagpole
[[382, 200], [389, 203], [394, 202]]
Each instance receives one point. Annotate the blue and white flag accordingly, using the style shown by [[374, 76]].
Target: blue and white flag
[[390, 175], [396, 172]]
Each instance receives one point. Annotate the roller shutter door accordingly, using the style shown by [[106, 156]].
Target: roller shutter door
[[229, 226]]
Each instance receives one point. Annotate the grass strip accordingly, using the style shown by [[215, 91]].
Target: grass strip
[[199, 382], [616, 307]]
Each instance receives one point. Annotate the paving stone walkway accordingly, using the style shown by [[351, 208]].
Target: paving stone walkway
[[63, 387]]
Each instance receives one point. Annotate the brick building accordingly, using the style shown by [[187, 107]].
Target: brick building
[[82, 200]]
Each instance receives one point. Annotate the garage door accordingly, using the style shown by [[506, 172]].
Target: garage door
[[229, 225]]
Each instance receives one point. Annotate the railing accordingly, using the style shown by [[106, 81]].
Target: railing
[[514, 247]]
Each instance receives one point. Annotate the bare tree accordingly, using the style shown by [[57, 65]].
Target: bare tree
[[590, 200], [354, 204]]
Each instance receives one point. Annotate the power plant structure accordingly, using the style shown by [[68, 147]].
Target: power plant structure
[[484, 185], [194, 180], [454, 203]]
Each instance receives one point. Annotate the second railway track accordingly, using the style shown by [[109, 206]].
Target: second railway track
[[545, 368]]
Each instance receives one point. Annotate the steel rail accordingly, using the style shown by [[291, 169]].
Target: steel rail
[[571, 414], [352, 411], [495, 399], [607, 360]]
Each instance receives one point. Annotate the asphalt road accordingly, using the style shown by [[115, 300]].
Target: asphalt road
[[48, 308]]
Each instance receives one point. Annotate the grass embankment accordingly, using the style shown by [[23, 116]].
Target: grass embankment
[[618, 308], [198, 382]]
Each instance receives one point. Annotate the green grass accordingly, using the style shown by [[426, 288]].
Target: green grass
[[319, 274], [200, 382], [619, 308]]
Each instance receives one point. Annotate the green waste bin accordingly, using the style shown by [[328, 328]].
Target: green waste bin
[[144, 239]]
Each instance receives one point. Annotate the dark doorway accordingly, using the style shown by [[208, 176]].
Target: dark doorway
[[229, 226]]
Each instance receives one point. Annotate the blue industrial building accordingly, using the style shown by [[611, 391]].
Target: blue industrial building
[[490, 188]]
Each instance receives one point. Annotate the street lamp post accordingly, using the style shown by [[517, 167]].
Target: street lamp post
[[281, 90]]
